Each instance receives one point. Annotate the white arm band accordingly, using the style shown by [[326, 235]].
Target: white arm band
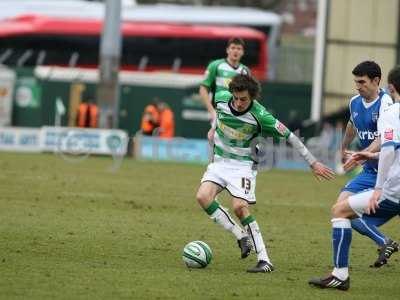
[[386, 159], [299, 146]]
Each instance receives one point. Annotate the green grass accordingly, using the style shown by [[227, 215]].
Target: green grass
[[79, 231]]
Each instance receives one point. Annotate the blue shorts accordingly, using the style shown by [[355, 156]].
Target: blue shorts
[[386, 210], [364, 181]]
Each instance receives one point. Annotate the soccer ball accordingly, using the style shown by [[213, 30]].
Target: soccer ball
[[197, 254]]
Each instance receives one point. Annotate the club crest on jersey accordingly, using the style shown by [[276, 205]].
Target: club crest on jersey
[[355, 114], [280, 127], [388, 134], [227, 81], [375, 116]]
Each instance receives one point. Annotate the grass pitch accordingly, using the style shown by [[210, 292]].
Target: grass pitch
[[79, 231]]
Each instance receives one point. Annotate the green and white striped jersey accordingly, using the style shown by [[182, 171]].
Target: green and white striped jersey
[[219, 74], [235, 131]]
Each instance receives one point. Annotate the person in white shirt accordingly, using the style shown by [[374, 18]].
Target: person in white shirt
[[382, 202]]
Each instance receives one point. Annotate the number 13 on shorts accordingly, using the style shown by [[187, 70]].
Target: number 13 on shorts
[[246, 185]]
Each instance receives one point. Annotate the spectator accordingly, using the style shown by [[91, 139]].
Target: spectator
[[150, 118], [167, 123], [88, 115]]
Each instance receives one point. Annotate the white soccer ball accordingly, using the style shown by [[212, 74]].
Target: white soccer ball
[[197, 254]]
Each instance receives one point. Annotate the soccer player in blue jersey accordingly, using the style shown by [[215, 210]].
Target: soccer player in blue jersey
[[380, 204], [365, 109]]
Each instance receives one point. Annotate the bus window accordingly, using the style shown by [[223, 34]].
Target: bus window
[[192, 52], [146, 47]]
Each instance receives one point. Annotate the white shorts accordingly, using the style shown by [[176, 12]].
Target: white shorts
[[359, 202], [236, 177]]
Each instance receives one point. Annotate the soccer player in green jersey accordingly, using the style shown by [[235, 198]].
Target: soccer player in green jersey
[[220, 72], [240, 121]]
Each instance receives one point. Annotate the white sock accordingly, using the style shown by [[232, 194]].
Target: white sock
[[222, 217], [258, 242], [341, 223], [341, 273]]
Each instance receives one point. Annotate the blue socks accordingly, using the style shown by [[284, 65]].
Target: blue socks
[[368, 229], [341, 240]]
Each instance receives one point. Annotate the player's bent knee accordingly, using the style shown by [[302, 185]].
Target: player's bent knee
[[341, 210], [336, 210], [241, 209], [203, 198]]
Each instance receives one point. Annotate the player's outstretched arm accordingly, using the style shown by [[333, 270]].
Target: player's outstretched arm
[[348, 137], [319, 170], [375, 146], [272, 126], [358, 158]]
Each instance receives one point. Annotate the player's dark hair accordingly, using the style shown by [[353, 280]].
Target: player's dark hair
[[244, 82], [368, 68], [236, 41], [394, 78]]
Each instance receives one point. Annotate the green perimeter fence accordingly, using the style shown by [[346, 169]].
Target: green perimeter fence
[[35, 98]]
